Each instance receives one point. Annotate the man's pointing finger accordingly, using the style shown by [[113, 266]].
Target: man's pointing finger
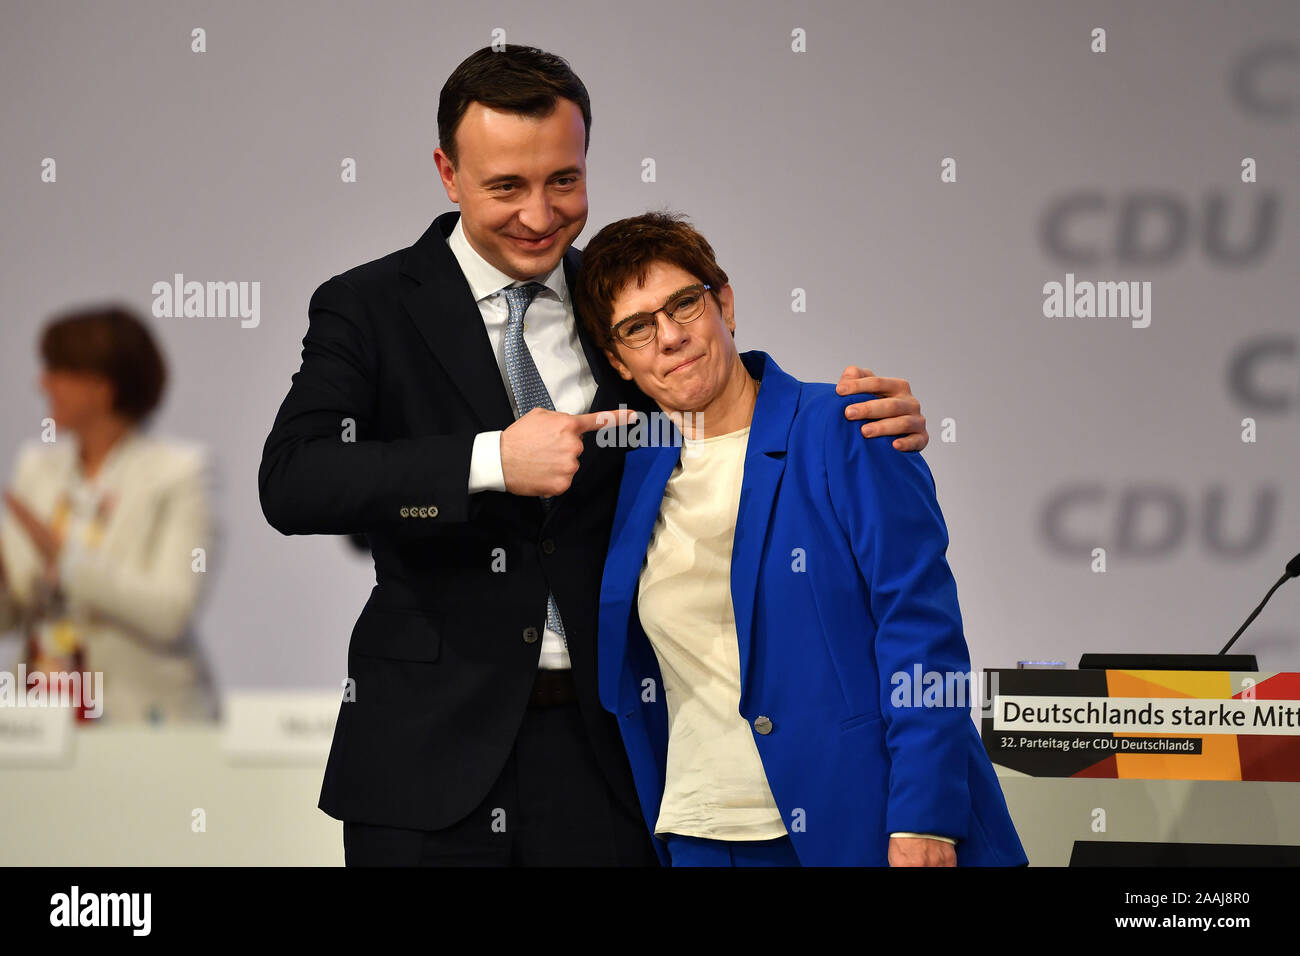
[[607, 419]]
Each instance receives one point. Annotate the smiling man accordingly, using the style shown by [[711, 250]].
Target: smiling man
[[446, 408]]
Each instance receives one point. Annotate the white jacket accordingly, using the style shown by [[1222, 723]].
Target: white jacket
[[132, 596]]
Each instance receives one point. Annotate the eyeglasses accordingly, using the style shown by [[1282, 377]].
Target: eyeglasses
[[638, 331]]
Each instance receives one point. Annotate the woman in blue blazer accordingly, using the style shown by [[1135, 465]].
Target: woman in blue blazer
[[774, 585]]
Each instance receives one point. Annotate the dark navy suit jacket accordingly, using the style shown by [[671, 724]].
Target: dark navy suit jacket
[[444, 654], [839, 581]]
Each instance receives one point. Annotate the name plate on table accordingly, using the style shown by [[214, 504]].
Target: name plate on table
[[35, 735], [279, 726], [1145, 725]]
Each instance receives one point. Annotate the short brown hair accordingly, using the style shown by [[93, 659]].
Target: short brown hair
[[110, 341], [625, 250], [517, 79]]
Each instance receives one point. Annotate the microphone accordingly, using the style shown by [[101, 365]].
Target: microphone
[[1292, 571]]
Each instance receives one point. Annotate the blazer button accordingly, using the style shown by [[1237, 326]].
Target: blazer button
[[433, 511], [530, 635], [763, 725], [405, 512], [548, 546]]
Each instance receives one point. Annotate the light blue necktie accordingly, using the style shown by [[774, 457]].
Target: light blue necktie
[[530, 392]]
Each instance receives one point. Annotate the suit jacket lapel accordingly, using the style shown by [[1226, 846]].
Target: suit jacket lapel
[[769, 436], [646, 474], [443, 309]]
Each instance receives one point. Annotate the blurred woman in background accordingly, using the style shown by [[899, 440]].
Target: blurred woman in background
[[105, 531]]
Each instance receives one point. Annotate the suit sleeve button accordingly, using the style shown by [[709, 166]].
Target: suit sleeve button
[[530, 635], [433, 511], [405, 512]]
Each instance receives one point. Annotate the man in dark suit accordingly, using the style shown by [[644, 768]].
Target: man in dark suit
[[465, 451]]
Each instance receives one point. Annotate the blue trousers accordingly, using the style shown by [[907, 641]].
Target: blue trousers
[[697, 851]]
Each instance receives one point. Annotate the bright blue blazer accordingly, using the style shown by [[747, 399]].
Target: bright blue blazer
[[839, 580]]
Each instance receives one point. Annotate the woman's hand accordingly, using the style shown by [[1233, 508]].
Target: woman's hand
[[47, 542], [921, 851], [897, 411]]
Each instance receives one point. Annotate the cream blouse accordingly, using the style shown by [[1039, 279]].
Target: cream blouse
[[715, 785]]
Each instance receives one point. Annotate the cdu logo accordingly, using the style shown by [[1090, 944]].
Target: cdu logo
[[1154, 520], [1265, 81], [1160, 228], [1264, 374]]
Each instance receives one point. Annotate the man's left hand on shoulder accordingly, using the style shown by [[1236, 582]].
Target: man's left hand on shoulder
[[896, 411]]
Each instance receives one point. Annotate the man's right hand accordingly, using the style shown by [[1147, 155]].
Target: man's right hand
[[540, 451]]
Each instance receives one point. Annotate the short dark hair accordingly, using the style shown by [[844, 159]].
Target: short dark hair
[[109, 340], [625, 250], [515, 79]]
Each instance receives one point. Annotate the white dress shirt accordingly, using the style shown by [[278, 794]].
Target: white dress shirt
[[551, 333]]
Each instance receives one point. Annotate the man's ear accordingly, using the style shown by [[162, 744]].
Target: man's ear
[[618, 366], [447, 173]]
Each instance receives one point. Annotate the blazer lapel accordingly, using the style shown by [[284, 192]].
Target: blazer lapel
[[443, 309], [646, 474], [769, 436]]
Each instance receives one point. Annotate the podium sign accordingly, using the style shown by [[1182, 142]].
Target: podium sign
[[1152, 725], [283, 727]]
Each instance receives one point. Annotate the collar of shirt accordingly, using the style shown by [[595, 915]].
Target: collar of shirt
[[114, 461], [86, 494], [486, 279]]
